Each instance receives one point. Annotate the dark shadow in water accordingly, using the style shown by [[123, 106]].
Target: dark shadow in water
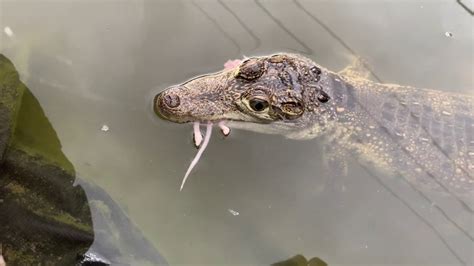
[[300, 260], [45, 216]]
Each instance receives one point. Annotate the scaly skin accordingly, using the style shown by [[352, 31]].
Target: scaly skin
[[427, 136]]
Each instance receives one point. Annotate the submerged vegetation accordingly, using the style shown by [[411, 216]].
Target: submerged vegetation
[[45, 219]]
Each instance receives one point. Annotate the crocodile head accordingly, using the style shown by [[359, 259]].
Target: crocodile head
[[279, 94]]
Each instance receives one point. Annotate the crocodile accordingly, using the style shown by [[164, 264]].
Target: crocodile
[[424, 135]]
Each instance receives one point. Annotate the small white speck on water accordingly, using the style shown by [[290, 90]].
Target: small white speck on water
[[446, 113], [424, 139], [105, 128], [448, 34], [368, 135], [340, 109], [8, 31], [416, 103], [471, 153], [371, 127], [235, 213], [400, 134]]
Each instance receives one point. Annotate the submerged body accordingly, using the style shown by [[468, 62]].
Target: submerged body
[[426, 136]]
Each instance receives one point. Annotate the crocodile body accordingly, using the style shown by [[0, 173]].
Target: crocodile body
[[427, 136]]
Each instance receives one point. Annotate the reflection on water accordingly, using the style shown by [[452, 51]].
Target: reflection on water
[[87, 73]]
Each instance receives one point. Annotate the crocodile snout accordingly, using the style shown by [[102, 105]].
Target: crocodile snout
[[166, 103], [168, 100]]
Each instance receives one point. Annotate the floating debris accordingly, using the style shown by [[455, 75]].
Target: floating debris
[[8, 31], [235, 213], [448, 34], [446, 113], [105, 128]]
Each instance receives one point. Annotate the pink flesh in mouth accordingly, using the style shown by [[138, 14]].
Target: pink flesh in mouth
[[232, 63], [199, 153], [197, 134], [198, 140], [224, 129]]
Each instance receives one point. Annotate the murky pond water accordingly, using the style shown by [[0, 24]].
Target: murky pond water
[[253, 199]]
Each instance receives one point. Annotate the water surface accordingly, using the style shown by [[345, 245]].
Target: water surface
[[98, 63]]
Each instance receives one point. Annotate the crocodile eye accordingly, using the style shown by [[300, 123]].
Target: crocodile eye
[[258, 104], [323, 97]]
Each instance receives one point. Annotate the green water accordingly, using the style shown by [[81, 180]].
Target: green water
[[99, 63]]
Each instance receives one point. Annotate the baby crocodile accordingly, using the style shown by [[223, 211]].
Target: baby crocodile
[[426, 136]]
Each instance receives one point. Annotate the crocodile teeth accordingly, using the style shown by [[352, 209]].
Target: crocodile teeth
[[224, 129]]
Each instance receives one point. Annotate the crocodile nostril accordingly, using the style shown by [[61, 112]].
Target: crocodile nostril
[[171, 100]]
